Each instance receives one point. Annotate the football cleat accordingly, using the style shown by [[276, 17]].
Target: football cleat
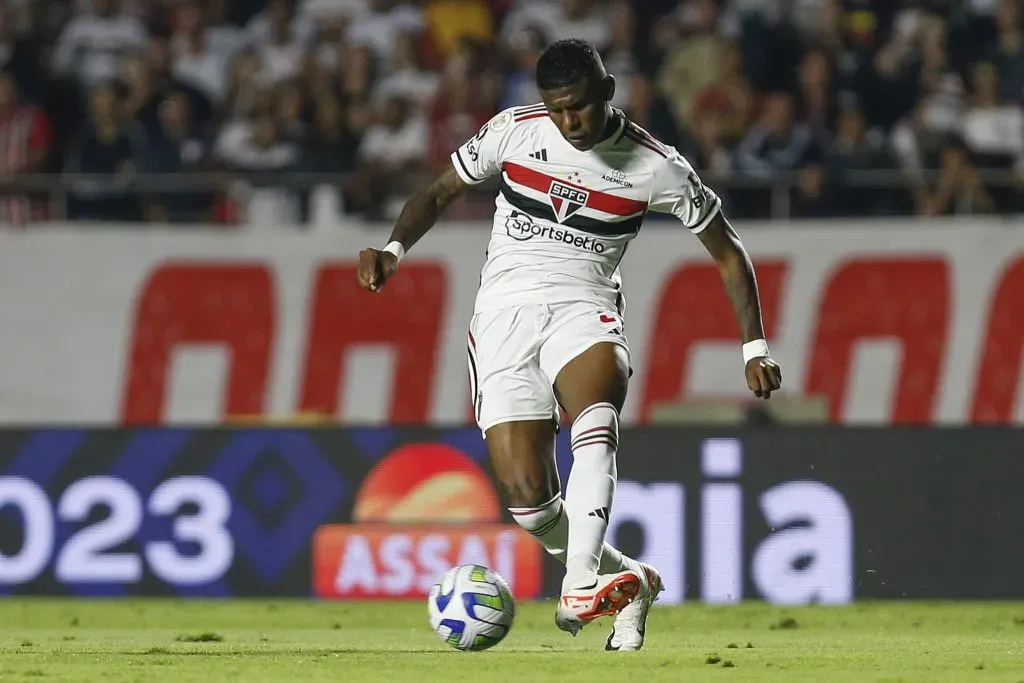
[[607, 595], [631, 621]]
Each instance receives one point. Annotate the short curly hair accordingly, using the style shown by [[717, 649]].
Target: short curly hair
[[565, 62]]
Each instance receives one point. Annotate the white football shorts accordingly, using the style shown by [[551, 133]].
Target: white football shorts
[[515, 354]]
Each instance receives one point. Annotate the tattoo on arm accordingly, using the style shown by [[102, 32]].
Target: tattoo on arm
[[737, 272], [421, 212]]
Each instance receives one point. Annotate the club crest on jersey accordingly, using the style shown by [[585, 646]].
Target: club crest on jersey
[[566, 200]]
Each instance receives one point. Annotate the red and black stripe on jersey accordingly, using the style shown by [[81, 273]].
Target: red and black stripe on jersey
[[534, 111], [632, 210], [643, 138]]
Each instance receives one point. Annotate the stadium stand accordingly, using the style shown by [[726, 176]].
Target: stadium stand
[[170, 110]]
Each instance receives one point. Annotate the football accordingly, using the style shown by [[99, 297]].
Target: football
[[471, 607]]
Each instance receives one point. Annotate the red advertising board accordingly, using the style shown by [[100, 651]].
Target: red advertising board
[[891, 322]]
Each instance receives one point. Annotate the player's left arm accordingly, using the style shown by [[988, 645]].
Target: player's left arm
[[677, 190], [763, 374]]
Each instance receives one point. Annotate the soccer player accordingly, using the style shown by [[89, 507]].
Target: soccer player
[[576, 179]]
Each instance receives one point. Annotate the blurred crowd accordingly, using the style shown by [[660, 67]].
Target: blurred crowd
[[855, 107]]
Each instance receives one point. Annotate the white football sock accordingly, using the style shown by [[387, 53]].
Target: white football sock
[[549, 525], [588, 499]]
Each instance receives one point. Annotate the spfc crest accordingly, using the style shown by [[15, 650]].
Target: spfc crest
[[566, 200]]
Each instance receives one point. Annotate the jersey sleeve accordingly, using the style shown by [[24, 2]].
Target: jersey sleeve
[[480, 157], [677, 190]]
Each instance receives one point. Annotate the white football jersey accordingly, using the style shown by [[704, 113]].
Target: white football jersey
[[564, 217]]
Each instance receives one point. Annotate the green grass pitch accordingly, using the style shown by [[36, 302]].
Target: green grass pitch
[[129, 641]]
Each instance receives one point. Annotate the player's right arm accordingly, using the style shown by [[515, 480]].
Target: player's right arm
[[418, 216], [475, 161]]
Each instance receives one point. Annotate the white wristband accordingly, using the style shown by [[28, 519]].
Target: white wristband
[[396, 249], [754, 349]]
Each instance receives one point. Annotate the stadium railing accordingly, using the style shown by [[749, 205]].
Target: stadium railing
[[56, 189]]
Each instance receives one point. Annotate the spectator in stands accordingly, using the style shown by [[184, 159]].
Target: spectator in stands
[[817, 96], [176, 149], [107, 151], [890, 85], [220, 35], [959, 189], [25, 137], [520, 82], [458, 112], [557, 19], [449, 22], [331, 148], [920, 138], [771, 34], [256, 149], [289, 108], [936, 62], [730, 99], [92, 44], [279, 21], [149, 81], [812, 197], [20, 57], [358, 76], [406, 76], [688, 68], [1008, 53], [620, 58], [195, 61], [853, 149], [390, 156], [712, 154], [327, 50], [821, 23], [774, 147], [993, 132], [244, 91], [775, 144], [282, 44], [466, 101], [380, 28], [322, 12]]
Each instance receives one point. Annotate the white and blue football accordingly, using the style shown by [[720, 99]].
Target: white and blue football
[[471, 607]]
